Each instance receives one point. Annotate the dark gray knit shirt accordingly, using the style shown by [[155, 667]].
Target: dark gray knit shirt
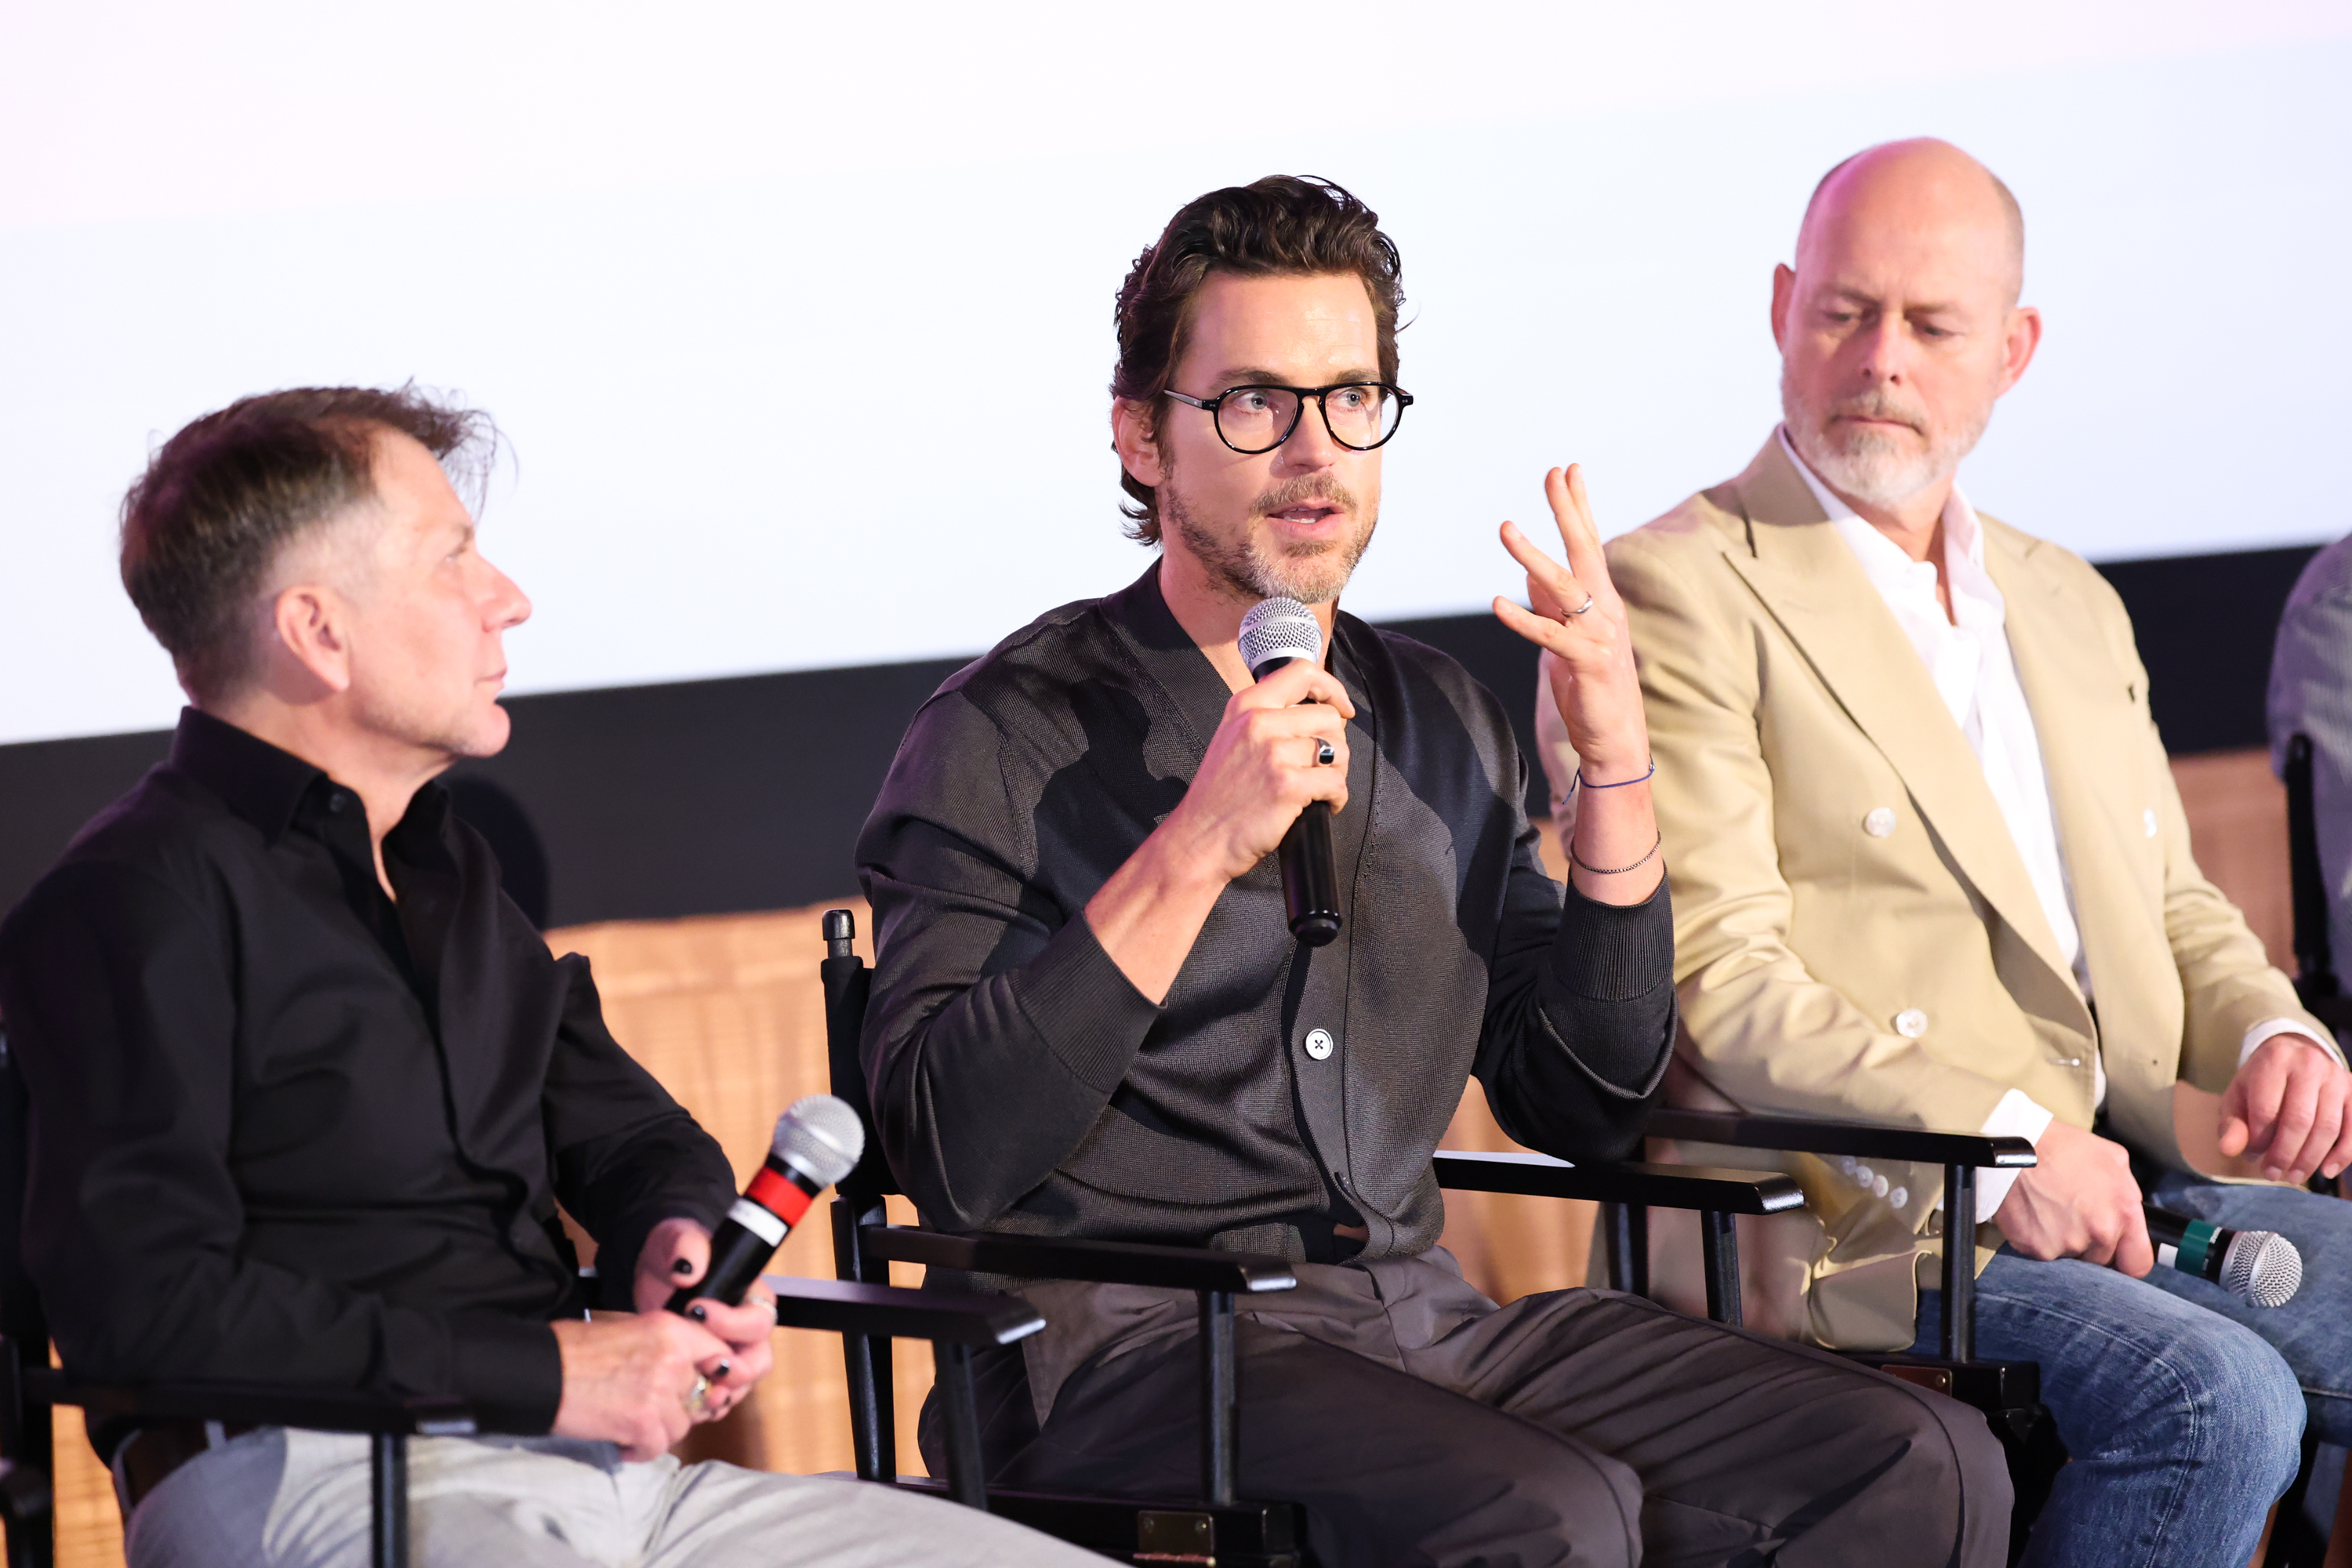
[[1021, 1084]]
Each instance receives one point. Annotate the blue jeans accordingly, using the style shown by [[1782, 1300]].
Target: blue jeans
[[2183, 1408]]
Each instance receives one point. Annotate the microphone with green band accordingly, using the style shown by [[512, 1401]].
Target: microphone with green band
[[2260, 1267]]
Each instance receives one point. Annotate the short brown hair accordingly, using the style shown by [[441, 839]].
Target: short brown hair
[[1282, 225], [221, 500]]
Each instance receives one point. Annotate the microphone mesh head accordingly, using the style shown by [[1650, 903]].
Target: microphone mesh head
[[821, 1136], [1279, 628], [2263, 1268]]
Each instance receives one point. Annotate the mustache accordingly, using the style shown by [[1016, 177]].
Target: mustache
[[1878, 404], [1306, 487]]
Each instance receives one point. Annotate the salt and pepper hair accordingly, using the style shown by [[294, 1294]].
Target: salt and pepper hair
[[222, 500]]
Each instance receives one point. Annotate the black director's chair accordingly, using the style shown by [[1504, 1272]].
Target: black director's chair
[[1218, 1525], [2315, 980], [2009, 1392], [30, 1388]]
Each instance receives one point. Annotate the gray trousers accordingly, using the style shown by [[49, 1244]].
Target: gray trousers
[[1420, 1424], [299, 1499]]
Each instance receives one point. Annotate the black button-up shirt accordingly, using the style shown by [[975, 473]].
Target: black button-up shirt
[[285, 1130], [1021, 1083]]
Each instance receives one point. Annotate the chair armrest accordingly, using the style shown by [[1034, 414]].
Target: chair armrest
[[1102, 1262], [943, 1317], [257, 1405], [1628, 1181], [1806, 1135]]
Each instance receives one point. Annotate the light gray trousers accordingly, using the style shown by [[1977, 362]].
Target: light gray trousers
[[286, 1499]]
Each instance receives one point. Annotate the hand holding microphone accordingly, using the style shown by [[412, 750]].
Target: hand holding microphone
[[1276, 633], [1264, 765], [817, 1142], [642, 1379]]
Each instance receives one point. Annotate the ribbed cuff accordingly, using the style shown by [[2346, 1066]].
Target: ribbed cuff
[[1083, 1007], [1614, 953], [508, 1371]]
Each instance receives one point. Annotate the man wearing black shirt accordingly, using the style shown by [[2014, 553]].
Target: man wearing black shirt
[[306, 1087], [1088, 1017]]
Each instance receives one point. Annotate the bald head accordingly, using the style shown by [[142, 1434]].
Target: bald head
[[1899, 326], [1927, 187]]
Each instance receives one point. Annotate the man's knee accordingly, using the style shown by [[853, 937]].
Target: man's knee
[[1552, 1500], [2239, 1402]]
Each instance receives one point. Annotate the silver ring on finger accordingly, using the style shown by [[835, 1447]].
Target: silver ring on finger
[[1324, 755], [698, 1398], [1582, 607]]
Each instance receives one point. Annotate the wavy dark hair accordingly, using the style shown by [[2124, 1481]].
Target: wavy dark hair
[[1282, 225], [221, 500]]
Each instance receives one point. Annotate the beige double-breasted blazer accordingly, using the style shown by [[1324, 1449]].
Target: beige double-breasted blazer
[[1856, 934]]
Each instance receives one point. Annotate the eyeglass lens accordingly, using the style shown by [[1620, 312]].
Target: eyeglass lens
[[1258, 419]]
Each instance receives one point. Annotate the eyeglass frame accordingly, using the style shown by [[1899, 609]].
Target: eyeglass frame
[[1208, 405]]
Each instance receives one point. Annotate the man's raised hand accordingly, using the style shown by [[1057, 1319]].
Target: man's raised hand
[[1575, 612]]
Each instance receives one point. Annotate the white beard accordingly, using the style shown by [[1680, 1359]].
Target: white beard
[[1874, 467]]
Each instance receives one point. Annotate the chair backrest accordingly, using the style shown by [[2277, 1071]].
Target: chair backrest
[[847, 982], [21, 1319], [2315, 977]]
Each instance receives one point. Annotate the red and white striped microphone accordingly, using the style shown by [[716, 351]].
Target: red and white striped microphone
[[817, 1142]]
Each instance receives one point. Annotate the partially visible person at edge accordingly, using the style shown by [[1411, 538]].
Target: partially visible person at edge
[[2311, 694], [305, 1087], [1929, 869], [1091, 1019]]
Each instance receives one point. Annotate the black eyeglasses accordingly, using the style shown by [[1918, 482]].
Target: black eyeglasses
[[1361, 415]]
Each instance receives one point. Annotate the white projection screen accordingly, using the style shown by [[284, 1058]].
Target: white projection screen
[[796, 319]]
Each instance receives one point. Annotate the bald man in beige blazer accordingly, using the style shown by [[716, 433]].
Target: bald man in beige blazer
[[1929, 869]]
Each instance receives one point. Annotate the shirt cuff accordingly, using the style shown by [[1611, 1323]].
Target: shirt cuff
[[1083, 1007], [2017, 1116], [508, 1371], [2269, 1029]]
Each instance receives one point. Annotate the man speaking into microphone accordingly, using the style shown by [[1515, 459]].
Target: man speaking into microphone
[[1095, 1015]]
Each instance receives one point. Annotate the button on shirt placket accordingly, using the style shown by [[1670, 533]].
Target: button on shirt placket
[[1320, 1023]]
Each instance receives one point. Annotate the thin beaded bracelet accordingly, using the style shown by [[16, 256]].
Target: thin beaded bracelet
[[1616, 870], [1620, 784]]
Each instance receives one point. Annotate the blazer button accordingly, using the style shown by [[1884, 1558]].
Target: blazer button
[[2148, 821], [1880, 822], [1910, 1023], [1319, 1044]]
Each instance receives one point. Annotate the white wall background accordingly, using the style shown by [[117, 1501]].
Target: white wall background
[[798, 322]]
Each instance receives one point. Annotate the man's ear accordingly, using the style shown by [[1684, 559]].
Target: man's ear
[[1784, 289], [2022, 337], [310, 624], [1133, 437]]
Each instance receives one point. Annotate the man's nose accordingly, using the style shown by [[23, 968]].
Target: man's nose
[[508, 605], [1886, 350], [1310, 446]]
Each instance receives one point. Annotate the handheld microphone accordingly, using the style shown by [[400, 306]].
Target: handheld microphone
[[2260, 1267], [817, 1142], [1275, 633]]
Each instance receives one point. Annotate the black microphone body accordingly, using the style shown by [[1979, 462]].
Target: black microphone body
[[744, 1243], [817, 1143], [1311, 877]]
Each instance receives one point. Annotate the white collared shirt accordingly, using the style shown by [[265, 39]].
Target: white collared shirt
[[1968, 656]]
